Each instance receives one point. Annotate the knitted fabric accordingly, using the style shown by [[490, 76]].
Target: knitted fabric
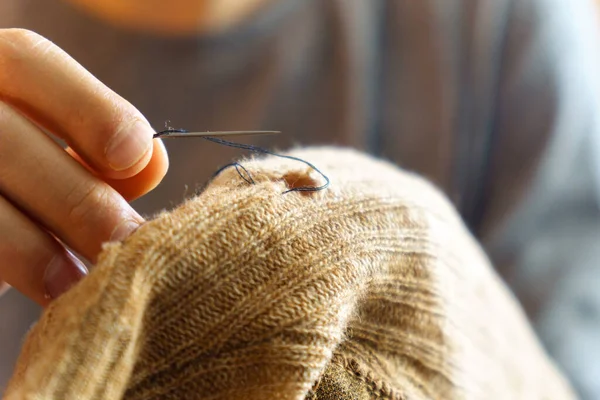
[[371, 289]]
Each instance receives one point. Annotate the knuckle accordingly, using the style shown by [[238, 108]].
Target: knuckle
[[20, 36], [116, 116], [6, 117], [84, 203], [16, 45], [8, 138]]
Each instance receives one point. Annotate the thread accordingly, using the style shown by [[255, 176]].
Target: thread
[[255, 149]]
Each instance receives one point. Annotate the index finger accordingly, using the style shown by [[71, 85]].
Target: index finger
[[47, 85]]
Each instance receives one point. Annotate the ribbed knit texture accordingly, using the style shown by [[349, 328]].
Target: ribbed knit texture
[[371, 289]]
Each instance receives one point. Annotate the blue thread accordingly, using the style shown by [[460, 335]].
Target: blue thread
[[254, 149]]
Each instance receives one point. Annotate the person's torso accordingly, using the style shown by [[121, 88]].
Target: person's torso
[[381, 77], [398, 79]]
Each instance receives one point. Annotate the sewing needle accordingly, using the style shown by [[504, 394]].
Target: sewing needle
[[172, 133]]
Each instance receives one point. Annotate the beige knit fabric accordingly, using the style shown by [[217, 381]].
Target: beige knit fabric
[[371, 289]]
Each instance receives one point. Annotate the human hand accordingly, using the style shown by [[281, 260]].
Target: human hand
[[49, 196]]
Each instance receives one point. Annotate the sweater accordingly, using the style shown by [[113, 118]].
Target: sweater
[[370, 289], [495, 101]]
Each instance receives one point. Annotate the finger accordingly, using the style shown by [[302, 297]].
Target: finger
[[46, 84], [54, 189], [142, 183], [33, 262], [137, 186], [4, 288]]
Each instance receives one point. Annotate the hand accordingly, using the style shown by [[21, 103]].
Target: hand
[[49, 196]]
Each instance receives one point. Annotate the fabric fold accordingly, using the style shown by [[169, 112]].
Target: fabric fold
[[371, 289]]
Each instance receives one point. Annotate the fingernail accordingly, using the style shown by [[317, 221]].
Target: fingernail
[[63, 271], [124, 230], [129, 145]]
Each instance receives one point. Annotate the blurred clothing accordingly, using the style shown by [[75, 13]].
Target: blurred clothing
[[495, 101]]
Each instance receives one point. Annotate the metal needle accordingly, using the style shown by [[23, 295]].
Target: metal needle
[[182, 133]]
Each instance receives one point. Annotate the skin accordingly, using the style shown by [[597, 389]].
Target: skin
[[174, 17], [49, 196], [52, 198]]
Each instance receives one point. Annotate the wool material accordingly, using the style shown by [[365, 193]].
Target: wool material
[[371, 289]]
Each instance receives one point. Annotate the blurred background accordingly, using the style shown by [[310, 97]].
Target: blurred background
[[495, 101]]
